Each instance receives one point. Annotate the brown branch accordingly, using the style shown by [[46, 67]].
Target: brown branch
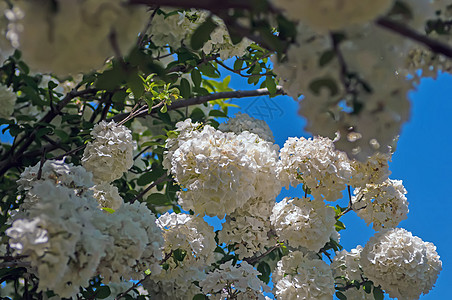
[[161, 179], [401, 29]]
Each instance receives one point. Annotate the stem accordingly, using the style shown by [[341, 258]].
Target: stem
[[161, 179], [255, 259]]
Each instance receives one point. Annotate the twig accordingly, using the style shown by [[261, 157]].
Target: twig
[[148, 25], [159, 180], [239, 73], [253, 260], [401, 29]]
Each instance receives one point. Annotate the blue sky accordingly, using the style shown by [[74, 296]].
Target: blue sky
[[423, 160]]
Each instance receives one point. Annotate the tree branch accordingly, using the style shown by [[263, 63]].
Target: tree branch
[[401, 29]]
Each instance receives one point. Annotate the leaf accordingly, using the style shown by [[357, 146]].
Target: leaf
[[164, 109], [265, 271], [136, 84], [217, 113], [179, 254], [367, 286], [109, 79], [209, 70], [103, 292], [197, 115], [326, 57], [109, 210], [196, 77], [158, 199], [271, 85], [202, 34], [238, 64], [339, 225], [185, 89], [199, 297], [341, 296], [319, 84], [378, 293]]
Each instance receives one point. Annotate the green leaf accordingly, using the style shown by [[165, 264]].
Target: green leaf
[[179, 254], [339, 225], [110, 79], [319, 84], [199, 297], [164, 109], [341, 296], [158, 199], [378, 293], [119, 96], [103, 292], [238, 64], [265, 271], [151, 143], [145, 179], [43, 131], [185, 90], [196, 77], [326, 57], [109, 210], [197, 115], [217, 113], [202, 34], [209, 70], [136, 85], [367, 286], [271, 85]]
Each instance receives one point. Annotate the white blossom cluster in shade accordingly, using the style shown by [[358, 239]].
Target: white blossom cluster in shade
[[403, 264], [136, 243], [190, 234], [384, 205], [218, 171], [68, 239], [110, 154], [243, 122], [367, 119], [249, 228], [230, 278], [180, 287], [59, 239], [174, 29], [9, 29], [8, 100], [303, 223], [107, 196], [347, 264], [327, 15], [76, 37], [303, 276], [315, 163]]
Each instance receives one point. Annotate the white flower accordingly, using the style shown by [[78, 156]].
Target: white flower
[[333, 14], [218, 171], [317, 164], [189, 234], [136, 243], [48, 42], [8, 100], [110, 154], [107, 195], [303, 222], [374, 170], [347, 264], [384, 205], [243, 122], [403, 264], [239, 278], [303, 276]]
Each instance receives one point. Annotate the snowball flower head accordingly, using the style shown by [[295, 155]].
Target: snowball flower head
[[243, 122], [317, 164], [75, 37], [327, 15], [110, 154], [403, 264], [302, 276], [303, 222], [7, 99], [384, 205], [107, 195], [218, 171]]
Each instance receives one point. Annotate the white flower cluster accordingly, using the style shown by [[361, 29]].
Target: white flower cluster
[[333, 14], [8, 100], [315, 163], [68, 239], [59, 238], [9, 29], [243, 122], [249, 228], [107, 196], [110, 154], [347, 264], [384, 205], [369, 109], [75, 37], [218, 171], [303, 223], [190, 234], [239, 279], [303, 276], [403, 264], [135, 246], [373, 171], [181, 287]]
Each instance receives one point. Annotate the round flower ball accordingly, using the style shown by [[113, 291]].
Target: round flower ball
[[402, 264]]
